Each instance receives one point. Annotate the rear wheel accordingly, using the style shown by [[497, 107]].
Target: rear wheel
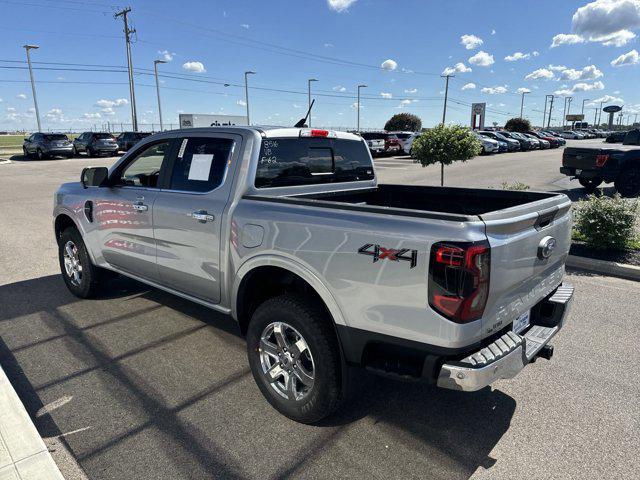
[[590, 184], [39, 154], [89, 152], [295, 359], [628, 182]]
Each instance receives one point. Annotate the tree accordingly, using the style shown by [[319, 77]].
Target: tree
[[445, 145], [518, 125], [404, 121]]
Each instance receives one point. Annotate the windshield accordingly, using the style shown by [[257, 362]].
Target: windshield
[[308, 161], [55, 136]]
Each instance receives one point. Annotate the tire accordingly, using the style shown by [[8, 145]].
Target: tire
[[25, 154], [74, 152], [590, 184], [39, 154], [89, 152], [298, 319], [71, 247], [628, 182]]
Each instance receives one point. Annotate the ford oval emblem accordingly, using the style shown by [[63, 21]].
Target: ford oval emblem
[[546, 247]]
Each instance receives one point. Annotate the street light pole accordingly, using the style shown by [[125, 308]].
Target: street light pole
[[358, 124], [522, 103], [309, 103], [446, 96], [33, 83], [583, 101], [246, 92], [155, 69], [550, 109], [600, 114], [127, 38]]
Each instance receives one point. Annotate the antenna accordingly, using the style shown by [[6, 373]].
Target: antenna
[[302, 122]]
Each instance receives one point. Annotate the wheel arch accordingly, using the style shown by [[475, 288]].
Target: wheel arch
[[281, 275], [62, 222]]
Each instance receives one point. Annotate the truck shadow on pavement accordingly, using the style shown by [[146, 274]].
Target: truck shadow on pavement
[[160, 388]]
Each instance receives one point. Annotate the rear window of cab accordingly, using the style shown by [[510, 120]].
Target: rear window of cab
[[285, 162]]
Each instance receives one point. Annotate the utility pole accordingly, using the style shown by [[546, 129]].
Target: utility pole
[[595, 117], [309, 104], [127, 37], [600, 114], [583, 101], [550, 109], [358, 124], [33, 83], [446, 95], [522, 103], [544, 114], [246, 92], [155, 69]]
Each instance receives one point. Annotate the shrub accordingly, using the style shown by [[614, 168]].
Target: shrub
[[445, 145], [606, 222], [517, 125], [404, 121], [515, 186]]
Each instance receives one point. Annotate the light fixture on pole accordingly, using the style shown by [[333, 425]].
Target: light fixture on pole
[[155, 69], [358, 106], [33, 83], [246, 92], [309, 103]]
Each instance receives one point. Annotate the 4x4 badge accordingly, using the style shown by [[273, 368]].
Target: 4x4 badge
[[382, 253]]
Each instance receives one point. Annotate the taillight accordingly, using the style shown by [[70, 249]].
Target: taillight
[[315, 132], [602, 159], [459, 279]]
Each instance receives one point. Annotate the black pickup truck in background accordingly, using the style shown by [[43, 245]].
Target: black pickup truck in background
[[593, 166]]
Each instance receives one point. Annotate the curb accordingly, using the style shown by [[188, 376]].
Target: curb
[[23, 453], [5, 161], [614, 269]]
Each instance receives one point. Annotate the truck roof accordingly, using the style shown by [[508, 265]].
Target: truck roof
[[271, 131]]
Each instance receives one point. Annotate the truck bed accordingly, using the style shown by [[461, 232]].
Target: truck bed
[[445, 203]]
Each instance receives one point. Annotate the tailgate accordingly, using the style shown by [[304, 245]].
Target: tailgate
[[521, 275], [582, 158]]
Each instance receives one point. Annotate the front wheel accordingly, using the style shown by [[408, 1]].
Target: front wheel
[[295, 359], [628, 182], [25, 153], [590, 184], [80, 275]]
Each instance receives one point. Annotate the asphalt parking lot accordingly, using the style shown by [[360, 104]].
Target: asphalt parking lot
[[142, 384]]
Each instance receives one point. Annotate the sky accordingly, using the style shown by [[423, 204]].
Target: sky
[[397, 48]]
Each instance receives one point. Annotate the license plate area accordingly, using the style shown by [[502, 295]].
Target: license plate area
[[522, 322], [578, 171]]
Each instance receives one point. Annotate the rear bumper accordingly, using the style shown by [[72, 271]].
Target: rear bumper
[[509, 354]]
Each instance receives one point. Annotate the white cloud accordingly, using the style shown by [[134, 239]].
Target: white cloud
[[54, 115], [245, 26], [580, 87], [470, 42], [493, 31], [469, 86], [118, 102], [587, 73], [167, 56], [616, 39], [494, 90], [535, 53], [566, 39], [108, 111], [91, 116], [295, 105], [523, 90], [389, 65], [457, 68], [10, 109], [603, 17], [339, 88], [540, 73], [514, 57], [242, 103], [557, 68], [21, 96], [408, 90], [197, 67], [340, 5], [606, 99], [328, 45], [481, 59], [629, 58], [386, 95]]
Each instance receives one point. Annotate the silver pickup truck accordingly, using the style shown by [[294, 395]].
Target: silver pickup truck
[[288, 231]]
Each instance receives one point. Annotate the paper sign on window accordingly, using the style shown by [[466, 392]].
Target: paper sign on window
[[200, 166]]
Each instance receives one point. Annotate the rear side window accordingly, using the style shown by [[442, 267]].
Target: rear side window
[[201, 164], [287, 162]]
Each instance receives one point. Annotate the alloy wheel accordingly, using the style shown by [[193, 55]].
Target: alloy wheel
[[72, 265], [286, 361]]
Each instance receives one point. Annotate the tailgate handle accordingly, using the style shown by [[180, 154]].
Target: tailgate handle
[[545, 217]]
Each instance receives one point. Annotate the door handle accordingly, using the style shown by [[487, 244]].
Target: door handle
[[140, 207], [202, 216]]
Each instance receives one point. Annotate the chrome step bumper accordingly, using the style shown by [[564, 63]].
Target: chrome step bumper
[[505, 357]]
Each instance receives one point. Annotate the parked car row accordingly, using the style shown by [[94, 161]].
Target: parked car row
[[47, 145], [388, 143], [502, 141]]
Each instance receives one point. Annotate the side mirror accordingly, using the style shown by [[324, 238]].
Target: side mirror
[[94, 176], [26, 139]]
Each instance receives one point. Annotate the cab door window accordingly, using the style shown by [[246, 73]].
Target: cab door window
[[144, 169]]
